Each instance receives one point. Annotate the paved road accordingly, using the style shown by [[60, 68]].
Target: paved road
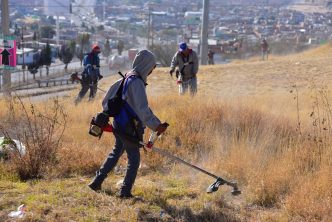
[[17, 76]]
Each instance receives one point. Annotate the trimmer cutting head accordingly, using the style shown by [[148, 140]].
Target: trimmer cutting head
[[235, 190], [215, 186], [74, 77], [219, 182]]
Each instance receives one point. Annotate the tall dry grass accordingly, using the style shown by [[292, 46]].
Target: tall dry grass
[[275, 164], [244, 124]]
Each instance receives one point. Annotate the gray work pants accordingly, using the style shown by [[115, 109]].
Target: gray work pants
[[133, 154], [190, 84]]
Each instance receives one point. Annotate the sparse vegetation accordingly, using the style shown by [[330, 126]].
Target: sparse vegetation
[[164, 53], [40, 130]]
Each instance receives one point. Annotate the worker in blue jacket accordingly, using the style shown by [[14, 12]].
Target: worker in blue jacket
[[91, 74]]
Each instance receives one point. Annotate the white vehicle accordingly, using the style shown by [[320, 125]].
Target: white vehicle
[[117, 62]]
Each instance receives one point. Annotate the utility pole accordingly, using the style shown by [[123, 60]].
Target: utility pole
[[104, 10], [5, 29], [22, 43], [149, 26], [57, 30], [204, 32]]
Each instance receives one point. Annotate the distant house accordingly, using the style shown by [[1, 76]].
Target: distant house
[[38, 46], [192, 18], [29, 56], [297, 18]]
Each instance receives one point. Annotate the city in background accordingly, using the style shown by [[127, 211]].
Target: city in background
[[54, 35]]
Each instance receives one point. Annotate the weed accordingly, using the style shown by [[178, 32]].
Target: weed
[[40, 131]]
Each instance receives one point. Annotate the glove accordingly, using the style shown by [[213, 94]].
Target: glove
[[161, 128], [177, 73], [100, 77], [171, 72], [101, 120]]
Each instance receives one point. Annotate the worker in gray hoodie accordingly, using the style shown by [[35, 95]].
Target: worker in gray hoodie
[[187, 61], [132, 119]]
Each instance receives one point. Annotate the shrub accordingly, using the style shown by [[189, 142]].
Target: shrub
[[39, 130]]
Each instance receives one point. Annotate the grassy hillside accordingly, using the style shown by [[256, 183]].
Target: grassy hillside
[[267, 125]]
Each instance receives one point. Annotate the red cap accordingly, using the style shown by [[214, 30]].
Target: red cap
[[95, 48]]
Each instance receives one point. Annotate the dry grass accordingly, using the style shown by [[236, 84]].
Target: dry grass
[[261, 123]]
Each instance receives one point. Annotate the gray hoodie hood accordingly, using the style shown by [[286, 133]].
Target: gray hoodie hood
[[135, 95], [143, 63]]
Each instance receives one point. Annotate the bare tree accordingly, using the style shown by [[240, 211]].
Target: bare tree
[[164, 53]]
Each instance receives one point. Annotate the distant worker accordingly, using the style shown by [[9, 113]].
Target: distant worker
[[187, 62], [211, 57], [91, 74], [120, 47], [264, 49]]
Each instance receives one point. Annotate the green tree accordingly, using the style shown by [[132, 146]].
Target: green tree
[[83, 41], [79, 54], [34, 66], [46, 32], [66, 53], [46, 57]]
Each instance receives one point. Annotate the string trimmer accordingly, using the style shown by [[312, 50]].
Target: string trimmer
[[97, 131], [74, 77]]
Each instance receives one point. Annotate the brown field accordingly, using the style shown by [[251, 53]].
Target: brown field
[[267, 125]]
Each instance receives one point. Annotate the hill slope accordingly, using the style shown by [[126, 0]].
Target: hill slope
[[265, 124]]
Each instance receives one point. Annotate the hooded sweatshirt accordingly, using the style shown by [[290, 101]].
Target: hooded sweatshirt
[[134, 93]]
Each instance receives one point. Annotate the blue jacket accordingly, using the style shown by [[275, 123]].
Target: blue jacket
[[91, 63]]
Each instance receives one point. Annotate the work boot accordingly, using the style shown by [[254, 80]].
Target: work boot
[[126, 196], [131, 197], [95, 185], [77, 100]]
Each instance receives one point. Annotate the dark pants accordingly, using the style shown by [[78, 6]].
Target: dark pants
[[86, 85], [133, 154]]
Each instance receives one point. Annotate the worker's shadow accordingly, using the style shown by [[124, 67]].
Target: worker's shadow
[[109, 192], [225, 214], [112, 193]]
